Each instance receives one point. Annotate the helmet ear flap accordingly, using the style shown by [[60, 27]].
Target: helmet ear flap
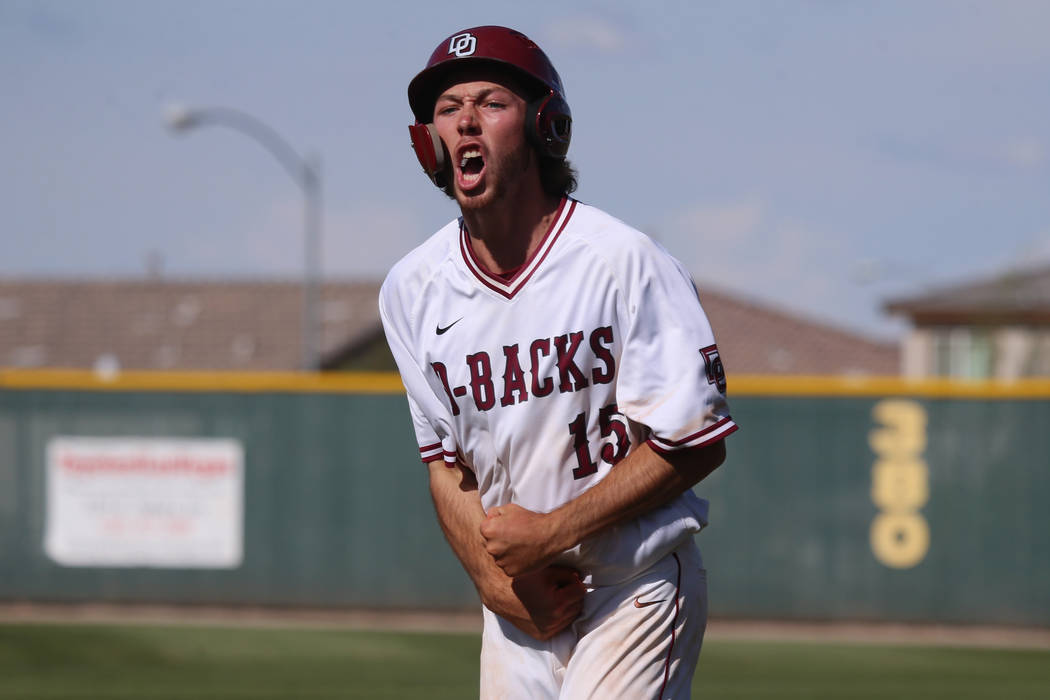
[[548, 125], [430, 150]]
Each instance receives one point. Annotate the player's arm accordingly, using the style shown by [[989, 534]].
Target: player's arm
[[520, 541], [542, 603]]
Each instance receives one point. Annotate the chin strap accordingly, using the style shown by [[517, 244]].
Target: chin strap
[[430, 150]]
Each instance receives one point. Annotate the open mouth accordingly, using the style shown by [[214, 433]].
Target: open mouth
[[471, 165]]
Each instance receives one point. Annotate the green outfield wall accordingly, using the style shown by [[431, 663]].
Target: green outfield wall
[[840, 499]]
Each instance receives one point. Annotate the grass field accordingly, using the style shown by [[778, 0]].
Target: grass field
[[99, 662]]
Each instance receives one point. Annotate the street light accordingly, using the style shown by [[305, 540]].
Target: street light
[[306, 173]]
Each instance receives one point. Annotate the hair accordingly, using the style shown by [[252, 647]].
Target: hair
[[557, 176]]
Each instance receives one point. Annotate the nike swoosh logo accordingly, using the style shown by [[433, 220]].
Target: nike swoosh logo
[[640, 604], [440, 331]]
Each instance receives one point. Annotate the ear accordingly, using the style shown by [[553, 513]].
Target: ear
[[430, 150]]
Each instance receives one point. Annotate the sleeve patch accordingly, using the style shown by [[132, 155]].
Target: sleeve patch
[[716, 373]]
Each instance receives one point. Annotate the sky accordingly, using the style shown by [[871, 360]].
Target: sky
[[816, 156]]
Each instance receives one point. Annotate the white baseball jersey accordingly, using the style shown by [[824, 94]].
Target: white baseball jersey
[[542, 382]]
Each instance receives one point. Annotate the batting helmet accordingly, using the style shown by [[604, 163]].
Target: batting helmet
[[548, 121]]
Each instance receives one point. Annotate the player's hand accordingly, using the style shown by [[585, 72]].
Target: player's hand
[[543, 603], [520, 540]]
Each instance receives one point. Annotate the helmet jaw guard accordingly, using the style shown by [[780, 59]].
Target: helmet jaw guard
[[430, 150], [548, 121]]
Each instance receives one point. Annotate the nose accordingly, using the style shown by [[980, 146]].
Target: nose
[[468, 123]]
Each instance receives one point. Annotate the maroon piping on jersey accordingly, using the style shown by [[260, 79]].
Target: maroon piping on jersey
[[674, 622], [494, 282], [665, 446], [449, 458], [429, 448]]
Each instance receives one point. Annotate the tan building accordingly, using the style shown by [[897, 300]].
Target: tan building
[[112, 325], [997, 327]]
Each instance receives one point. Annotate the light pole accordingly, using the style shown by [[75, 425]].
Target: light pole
[[306, 173]]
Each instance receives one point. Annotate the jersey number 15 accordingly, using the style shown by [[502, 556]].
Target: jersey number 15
[[611, 452]]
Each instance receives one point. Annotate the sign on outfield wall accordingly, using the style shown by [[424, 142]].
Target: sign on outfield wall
[[138, 502]]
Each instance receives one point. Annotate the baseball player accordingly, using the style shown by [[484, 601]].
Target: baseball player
[[565, 389]]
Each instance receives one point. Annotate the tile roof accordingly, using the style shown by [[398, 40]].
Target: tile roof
[[756, 338], [1016, 295], [150, 324], [255, 325]]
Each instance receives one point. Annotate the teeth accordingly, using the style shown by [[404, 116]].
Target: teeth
[[467, 155]]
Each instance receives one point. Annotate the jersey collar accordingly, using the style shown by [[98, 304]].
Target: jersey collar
[[510, 287]]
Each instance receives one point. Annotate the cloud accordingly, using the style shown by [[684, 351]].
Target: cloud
[[586, 31], [41, 21], [738, 243], [984, 154], [365, 239], [745, 248], [987, 36], [720, 223], [1032, 252], [359, 239], [1025, 153]]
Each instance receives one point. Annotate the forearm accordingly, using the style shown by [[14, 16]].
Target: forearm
[[643, 481], [541, 604], [522, 541], [459, 512]]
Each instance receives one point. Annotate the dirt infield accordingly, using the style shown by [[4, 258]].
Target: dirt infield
[[470, 622]]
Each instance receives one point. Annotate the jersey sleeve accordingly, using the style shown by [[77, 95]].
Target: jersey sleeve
[[671, 377], [430, 419]]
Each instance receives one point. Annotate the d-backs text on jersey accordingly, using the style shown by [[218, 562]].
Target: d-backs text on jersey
[[575, 369]]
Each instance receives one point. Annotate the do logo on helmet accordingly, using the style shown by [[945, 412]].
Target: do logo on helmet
[[462, 45]]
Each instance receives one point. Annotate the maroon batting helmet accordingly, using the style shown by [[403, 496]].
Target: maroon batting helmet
[[548, 121]]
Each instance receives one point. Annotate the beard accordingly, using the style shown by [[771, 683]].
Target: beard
[[503, 176]]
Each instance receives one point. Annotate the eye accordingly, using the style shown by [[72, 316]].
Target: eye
[[495, 104]]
